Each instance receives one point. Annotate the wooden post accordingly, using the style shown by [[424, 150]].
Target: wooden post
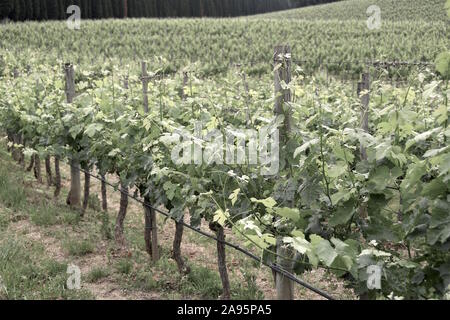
[[57, 177], [123, 205], [48, 170], [282, 73], [70, 82], [185, 83], [144, 79], [364, 85], [221, 256], [282, 57], [74, 196], [125, 8], [87, 187], [37, 168], [284, 286], [151, 226], [104, 194]]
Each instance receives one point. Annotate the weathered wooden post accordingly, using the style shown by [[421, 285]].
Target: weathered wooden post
[[57, 177], [363, 91], [144, 80], [151, 226], [364, 87], [185, 83], [48, 170], [282, 76], [74, 196]]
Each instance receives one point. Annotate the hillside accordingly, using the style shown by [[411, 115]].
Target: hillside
[[40, 237], [398, 10]]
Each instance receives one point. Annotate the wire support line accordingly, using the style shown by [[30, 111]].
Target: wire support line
[[272, 266]]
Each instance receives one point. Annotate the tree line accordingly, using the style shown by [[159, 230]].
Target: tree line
[[21, 10]]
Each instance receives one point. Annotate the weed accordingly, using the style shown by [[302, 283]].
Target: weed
[[78, 248], [96, 274]]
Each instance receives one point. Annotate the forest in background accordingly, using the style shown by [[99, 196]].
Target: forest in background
[[21, 10]]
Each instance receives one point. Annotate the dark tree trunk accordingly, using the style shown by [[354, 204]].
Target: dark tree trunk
[[10, 140], [21, 154], [221, 259], [154, 225], [57, 178], [151, 230], [74, 196], [104, 196], [148, 226], [37, 168], [16, 152], [118, 231], [87, 185], [176, 254], [48, 171], [30, 167]]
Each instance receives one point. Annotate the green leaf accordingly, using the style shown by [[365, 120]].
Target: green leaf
[[421, 137], [74, 131], [337, 170], [221, 217], [413, 175], [434, 189], [92, 129], [380, 178], [343, 214], [268, 202], [114, 152], [305, 146], [234, 196], [340, 195], [299, 244], [323, 249], [292, 214], [435, 152], [170, 189], [343, 153]]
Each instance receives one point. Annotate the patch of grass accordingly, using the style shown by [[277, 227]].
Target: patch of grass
[[27, 274], [106, 229], [144, 281], [124, 266], [70, 218], [247, 290], [4, 219], [54, 267], [12, 193], [94, 202], [44, 216], [96, 274], [165, 262], [78, 247], [203, 282]]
